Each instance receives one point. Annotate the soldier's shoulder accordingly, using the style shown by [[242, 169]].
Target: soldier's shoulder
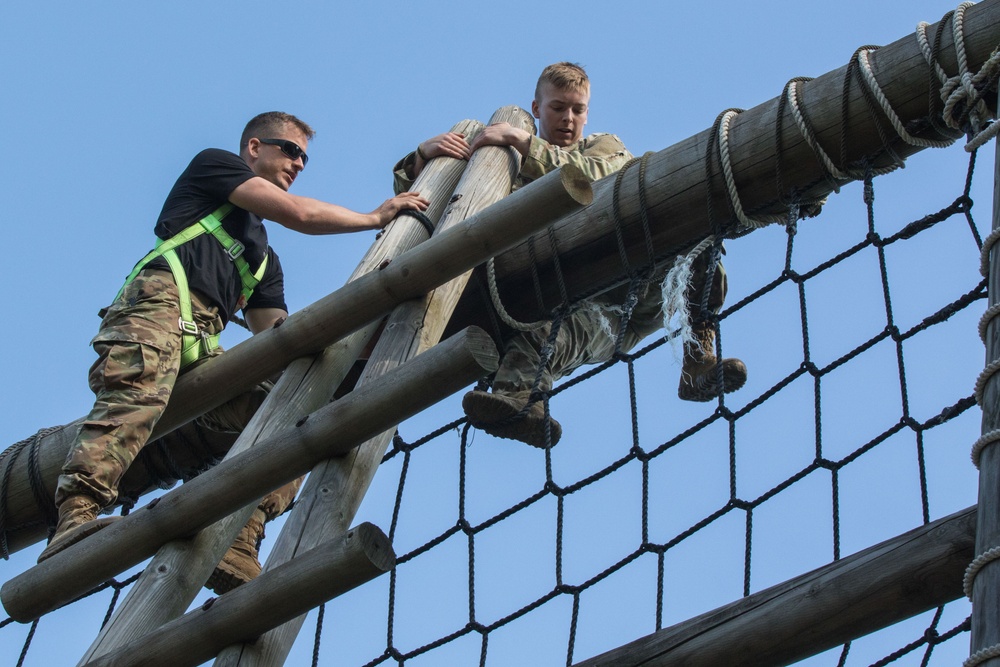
[[606, 142]]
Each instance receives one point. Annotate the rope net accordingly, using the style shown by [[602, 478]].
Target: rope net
[[860, 332]]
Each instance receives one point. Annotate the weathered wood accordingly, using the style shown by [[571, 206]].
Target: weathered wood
[[679, 196], [173, 578], [986, 585], [279, 594], [331, 431], [410, 275], [336, 488], [870, 590]]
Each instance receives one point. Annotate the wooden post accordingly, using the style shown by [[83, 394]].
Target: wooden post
[[986, 584], [277, 595], [335, 489], [678, 194], [372, 296], [178, 571], [829, 606], [331, 431]]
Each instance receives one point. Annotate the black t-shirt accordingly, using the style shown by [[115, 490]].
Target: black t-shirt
[[203, 187]]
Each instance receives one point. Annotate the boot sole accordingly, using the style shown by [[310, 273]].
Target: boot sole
[[76, 535]]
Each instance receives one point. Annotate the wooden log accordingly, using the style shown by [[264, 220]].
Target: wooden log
[[829, 606], [367, 299], [679, 196], [173, 578], [986, 584], [241, 615], [331, 431], [335, 489]]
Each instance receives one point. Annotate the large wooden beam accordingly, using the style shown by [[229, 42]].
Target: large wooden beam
[[986, 584], [315, 576], [367, 299], [870, 590], [679, 196], [332, 431], [176, 574], [336, 488]]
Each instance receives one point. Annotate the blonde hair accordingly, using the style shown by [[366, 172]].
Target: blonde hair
[[565, 76]]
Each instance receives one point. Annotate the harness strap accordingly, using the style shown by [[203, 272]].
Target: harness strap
[[195, 342]]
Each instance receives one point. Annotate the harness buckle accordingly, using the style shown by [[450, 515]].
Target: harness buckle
[[188, 327], [235, 250]]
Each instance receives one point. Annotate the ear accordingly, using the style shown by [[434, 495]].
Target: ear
[[253, 148], [534, 109]]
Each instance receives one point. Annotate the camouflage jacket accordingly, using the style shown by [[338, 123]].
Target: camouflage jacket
[[597, 155]]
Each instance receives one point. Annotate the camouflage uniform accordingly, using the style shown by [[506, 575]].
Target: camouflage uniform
[[138, 348], [582, 338]]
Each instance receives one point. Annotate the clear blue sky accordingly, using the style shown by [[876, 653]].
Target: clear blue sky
[[105, 103]]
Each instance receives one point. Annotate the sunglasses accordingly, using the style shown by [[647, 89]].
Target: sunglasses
[[289, 148]]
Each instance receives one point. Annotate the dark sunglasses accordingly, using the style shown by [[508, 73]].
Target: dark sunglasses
[[289, 148]]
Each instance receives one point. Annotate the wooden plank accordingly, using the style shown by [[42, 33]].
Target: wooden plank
[[176, 574], [331, 431], [854, 596], [314, 577], [335, 489]]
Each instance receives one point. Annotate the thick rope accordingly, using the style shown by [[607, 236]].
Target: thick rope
[[491, 277], [727, 170], [961, 94]]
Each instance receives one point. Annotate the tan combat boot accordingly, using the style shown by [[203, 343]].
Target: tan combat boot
[[240, 565], [77, 520], [701, 379], [497, 414]]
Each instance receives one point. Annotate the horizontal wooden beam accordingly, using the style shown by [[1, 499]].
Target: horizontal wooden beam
[[367, 299], [277, 595], [829, 606], [328, 432], [680, 197]]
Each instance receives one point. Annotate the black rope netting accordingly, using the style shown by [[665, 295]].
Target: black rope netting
[[851, 430]]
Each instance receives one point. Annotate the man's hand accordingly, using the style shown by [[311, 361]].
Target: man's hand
[[390, 208], [449, 144], [503, 134]]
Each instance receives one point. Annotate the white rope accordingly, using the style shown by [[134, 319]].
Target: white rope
[[985, 320], [897, 124], [979, 445], [979, 657], [792, 95], [727, 169], [981, 561], [674, 297], [961, 91], [491, 277], [984, 377], [984, 254]]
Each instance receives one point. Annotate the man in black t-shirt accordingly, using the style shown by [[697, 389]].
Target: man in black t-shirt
[[140, 341]]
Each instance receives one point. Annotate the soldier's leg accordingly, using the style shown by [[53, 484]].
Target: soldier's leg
[[138, 350], [703, 375]]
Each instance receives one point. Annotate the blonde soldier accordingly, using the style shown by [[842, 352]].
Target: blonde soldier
[[211, 259], [561, 104]]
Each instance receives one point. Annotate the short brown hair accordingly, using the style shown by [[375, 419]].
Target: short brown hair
[[565, 76], [272, 122]]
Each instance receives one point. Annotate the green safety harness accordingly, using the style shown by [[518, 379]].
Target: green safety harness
[[195, 342]]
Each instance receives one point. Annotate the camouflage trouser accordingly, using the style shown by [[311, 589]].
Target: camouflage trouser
[[583, 337], [138, 348]]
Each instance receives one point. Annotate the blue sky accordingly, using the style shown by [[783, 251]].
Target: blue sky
[[105, 103]]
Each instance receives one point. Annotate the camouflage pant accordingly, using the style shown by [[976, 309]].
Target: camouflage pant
[[138, 349], [583, 339]]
